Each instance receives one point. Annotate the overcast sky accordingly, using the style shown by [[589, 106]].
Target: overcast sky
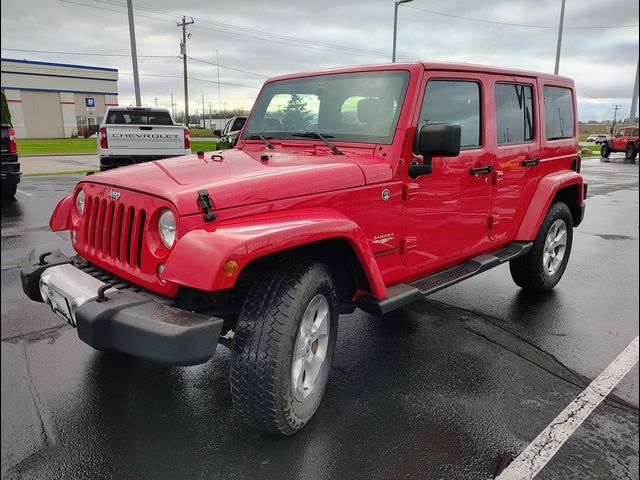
[[257, 39]]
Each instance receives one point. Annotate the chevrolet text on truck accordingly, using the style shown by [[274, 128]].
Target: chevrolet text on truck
[[130, 135], [365, 187]]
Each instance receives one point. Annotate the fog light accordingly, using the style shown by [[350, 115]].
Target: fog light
[[230, 268]]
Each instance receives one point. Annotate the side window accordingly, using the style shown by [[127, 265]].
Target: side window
[[514, 113], [453, 101], [635, 132], [558, 109]]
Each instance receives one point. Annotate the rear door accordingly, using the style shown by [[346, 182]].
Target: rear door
[[517, 152]]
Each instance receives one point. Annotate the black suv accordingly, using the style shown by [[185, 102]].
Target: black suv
[[10, 165]]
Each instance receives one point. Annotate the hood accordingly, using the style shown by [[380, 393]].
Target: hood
[[242, 178]]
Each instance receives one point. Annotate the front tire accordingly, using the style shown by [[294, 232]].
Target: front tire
[[542, 268], [605, 150], [283, 347]]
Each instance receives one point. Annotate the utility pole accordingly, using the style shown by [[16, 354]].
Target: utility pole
[[210, 120], [559, 46], [156, 99], [204, 125], [218, 67], [395, 26], [134, 52], [173, 107], [615, 111], [634, 98], [183, 52]]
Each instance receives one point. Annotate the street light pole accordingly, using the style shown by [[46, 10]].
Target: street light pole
[[395, 26], [134, 53], [559, 45]]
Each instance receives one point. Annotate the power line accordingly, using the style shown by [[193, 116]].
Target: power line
[[253, 30], [25, 50], [524, 25], [249, 33]]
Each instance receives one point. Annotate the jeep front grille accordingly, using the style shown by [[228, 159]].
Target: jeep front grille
[[114, 230]]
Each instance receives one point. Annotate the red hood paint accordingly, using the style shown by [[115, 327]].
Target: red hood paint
[[242, 178]]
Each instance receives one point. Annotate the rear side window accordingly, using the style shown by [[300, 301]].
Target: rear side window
[[514, 113], [453, 101], [635, 132], [128, 117], [558, 108]]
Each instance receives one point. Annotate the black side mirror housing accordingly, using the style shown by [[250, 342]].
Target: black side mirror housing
[[217, 133], [439, 140]]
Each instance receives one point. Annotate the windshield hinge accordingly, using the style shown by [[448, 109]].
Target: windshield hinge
[[206, 204]]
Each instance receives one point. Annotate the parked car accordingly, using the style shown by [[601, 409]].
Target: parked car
[[626, 140], [10, 171], [598, 138], [136, 134], [442, 172], [231, 131]]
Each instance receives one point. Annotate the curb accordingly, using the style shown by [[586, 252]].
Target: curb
[[55, 154], [70, 172]]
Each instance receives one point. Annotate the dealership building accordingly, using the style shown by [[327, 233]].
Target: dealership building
[[54, 100]]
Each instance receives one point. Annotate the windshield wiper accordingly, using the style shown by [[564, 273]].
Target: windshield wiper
[[265, 140], [331, 146]]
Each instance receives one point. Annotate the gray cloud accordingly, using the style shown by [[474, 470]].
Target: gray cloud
[[601, 61]]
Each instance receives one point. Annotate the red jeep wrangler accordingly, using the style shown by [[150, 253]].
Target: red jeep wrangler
[[626, 140], [365, 187]]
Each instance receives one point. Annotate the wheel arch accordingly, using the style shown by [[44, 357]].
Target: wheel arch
[[567, 187], [253, 241]]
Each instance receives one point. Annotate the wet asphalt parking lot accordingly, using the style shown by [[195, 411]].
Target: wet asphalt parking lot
[[448, 388]]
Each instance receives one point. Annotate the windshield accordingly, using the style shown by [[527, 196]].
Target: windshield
[[353, 107]]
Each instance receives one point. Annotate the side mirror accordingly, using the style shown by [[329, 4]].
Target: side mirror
[[217, 133], [439, 140]]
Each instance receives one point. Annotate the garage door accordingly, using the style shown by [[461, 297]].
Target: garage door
[[42, 114]]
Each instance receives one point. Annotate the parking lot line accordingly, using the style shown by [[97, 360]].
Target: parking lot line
[[539, 452], [25, 193]]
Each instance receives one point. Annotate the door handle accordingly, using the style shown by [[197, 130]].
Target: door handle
[[146, 128], [530, 162], [481, 170]]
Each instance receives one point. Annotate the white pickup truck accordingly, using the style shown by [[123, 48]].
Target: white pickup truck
[[130, 135]]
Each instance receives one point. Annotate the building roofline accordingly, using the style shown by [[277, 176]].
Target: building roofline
[[53, 64]]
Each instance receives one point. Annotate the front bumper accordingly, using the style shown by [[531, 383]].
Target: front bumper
[[131, 322]]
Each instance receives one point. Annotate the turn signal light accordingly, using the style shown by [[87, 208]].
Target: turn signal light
[[230, 268]]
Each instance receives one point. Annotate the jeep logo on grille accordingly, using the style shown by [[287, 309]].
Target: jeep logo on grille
[[113, 194]]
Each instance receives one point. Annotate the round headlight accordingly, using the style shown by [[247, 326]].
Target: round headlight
[[80, 201], [167, 227]]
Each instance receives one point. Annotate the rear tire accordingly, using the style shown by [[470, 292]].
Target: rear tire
[[630, 152], [542, 268], [275, 384], [605, 151], [9, 191]]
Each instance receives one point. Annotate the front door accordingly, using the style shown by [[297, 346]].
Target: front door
[[445, 215], [517, 147]]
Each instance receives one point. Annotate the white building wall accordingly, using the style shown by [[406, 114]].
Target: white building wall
[[14, 100], [71, 83]]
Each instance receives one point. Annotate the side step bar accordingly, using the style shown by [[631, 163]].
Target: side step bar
[[403, 294]]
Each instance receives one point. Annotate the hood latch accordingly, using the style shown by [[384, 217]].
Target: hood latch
[[206, 204]]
